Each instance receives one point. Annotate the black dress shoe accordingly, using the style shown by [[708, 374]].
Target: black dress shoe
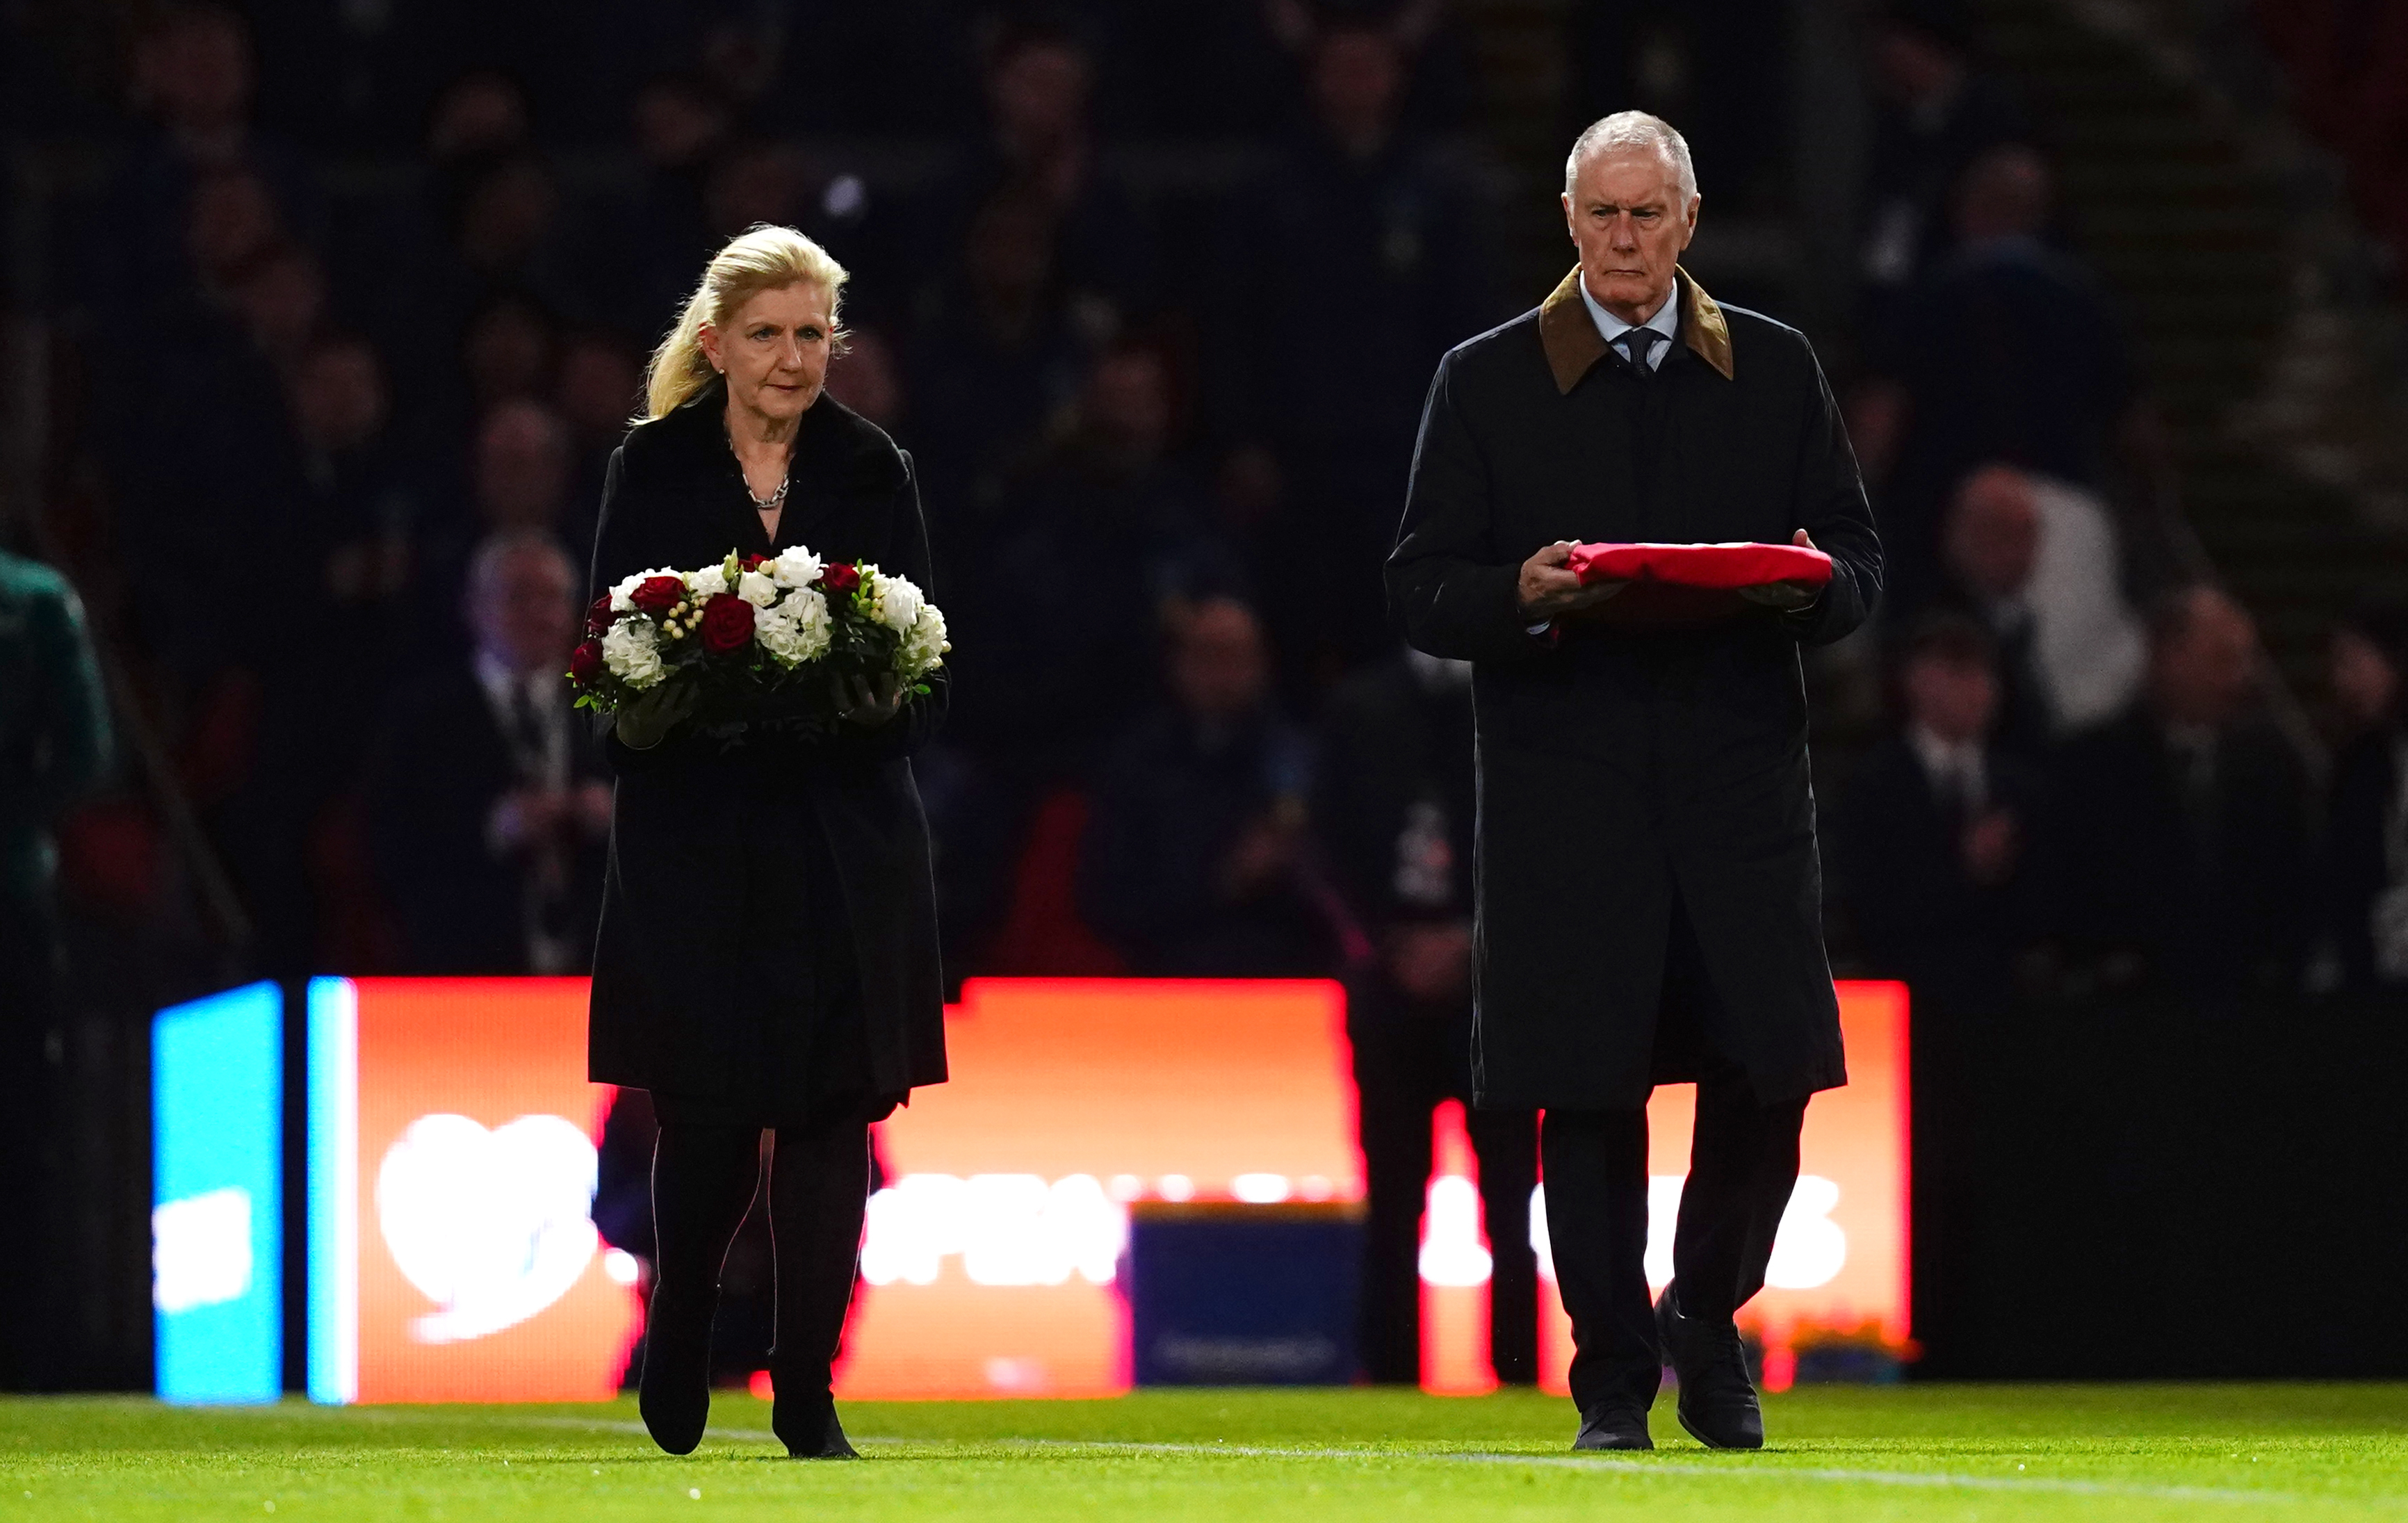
[[674, 1393], [810, 1431], [1718, 1405], [1614, 1425]]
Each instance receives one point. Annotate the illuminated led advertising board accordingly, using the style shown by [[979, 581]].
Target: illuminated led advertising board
[[217, 1227], [452, 1136], [452, 1168]]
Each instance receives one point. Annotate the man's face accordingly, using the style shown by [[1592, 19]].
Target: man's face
[[528, 617], [1040, 94], [1218, 666], [1356, 77], [522, 467], [339, 397], [2204, 674], [2364, 681], [1994, 535], [1128, 402], [1629, 221], [1952, 697]]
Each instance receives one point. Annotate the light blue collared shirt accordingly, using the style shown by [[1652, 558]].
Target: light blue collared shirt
[[1666, 321]]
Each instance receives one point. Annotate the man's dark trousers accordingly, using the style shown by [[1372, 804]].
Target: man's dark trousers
[[1407, 1061], [1742, 1166]]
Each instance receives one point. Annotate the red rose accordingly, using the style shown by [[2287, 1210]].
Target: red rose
[[727, 624], [598, 618], [754, 563], [841, 577], [656, 595], [585, 664]]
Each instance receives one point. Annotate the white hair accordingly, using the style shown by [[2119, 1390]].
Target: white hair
[[1635, 129]]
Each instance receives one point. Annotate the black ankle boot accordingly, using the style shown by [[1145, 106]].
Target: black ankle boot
[[674, 1393], [806, 1421]]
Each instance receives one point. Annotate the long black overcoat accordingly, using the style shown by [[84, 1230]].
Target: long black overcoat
[[686, 997], [1622, 765]]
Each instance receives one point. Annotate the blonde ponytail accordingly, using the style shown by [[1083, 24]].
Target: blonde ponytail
[[763, 257]]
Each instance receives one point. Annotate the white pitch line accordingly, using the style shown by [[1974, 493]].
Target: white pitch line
[[1885, 1478], [1738, 1470]]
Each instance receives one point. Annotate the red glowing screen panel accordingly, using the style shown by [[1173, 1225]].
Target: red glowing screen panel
[[990, 1262], [452, 1165], [446, 1264]]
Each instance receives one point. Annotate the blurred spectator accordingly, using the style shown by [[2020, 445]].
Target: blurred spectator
[[2367, 830], [665, 234], [522, 467], [519, 471], [502, 225], [281, 300], [2182, 827], [231, 224], [2008, 350], [489, 807], [2348, 66], [753, 182], [54, 747], [1393, 803], [1039, 146], [993, 360], [1935, 114], [1718, 67], [1342, 277], [1933, 868], [1198, 862], [1933, 843], [2037, 561], [352, 79], [1053, 681], [192, 76], [481, 118], [868, 379], [364, 509], [601, 379], [508, 351]]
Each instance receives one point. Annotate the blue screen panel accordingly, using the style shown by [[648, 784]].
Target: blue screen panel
[[217, 1218], [334, 1191]]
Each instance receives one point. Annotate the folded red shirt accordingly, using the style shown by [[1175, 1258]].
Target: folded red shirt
[[1721, 567]]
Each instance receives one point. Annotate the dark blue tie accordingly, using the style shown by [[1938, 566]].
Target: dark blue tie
[[1637, 344]]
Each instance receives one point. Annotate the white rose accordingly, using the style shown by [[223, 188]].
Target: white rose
[[796, 630], [923, 644], [707, 583], [756, 589], [894, 602], [796, 567], [632, 650]]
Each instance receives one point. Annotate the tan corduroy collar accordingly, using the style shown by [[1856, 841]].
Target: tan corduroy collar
[[1572, 343]]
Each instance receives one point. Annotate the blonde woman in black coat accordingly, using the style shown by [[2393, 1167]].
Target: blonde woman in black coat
[[768, 953]]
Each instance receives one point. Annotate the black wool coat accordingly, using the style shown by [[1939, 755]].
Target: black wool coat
[[731, 871], [1627, 769]]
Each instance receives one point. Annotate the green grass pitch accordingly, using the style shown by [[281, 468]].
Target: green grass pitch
[[1985, 1452]]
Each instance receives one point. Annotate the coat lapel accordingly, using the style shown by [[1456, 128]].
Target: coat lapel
[[1573, 345]]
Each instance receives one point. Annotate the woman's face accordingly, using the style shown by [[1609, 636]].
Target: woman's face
[[774, 352]]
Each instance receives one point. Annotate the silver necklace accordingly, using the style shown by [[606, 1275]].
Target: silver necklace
[[774, 500]]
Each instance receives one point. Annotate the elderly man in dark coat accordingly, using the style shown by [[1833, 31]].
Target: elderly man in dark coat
[[1648, 888]]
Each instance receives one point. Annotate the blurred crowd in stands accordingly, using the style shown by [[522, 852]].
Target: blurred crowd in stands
[[350, 304]]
